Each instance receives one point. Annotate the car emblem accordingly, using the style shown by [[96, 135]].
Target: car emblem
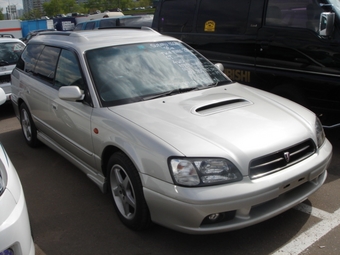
[[287, 156]]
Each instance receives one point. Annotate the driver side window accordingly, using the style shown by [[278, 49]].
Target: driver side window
[[68, 71], [293, 13]]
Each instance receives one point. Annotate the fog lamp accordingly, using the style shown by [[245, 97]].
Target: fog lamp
[[214, 216]]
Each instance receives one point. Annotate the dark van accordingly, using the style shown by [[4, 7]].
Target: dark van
[[288, 47]]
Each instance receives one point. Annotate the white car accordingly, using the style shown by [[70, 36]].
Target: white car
[[167, 132], [15, 231], [10, 51]]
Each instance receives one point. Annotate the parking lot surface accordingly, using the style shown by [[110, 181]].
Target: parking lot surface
[[70, 215]]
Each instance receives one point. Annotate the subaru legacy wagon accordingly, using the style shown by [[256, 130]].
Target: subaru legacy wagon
[[165, 131]]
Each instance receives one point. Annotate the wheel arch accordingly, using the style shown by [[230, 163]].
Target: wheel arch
[[107, 153]]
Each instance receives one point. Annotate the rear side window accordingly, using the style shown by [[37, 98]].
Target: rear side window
[[223, 17], [29, 58], [47, 62], [177, 16]]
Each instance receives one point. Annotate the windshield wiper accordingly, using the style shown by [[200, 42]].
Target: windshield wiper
[[170, 93], [3, 62], [184, 90]]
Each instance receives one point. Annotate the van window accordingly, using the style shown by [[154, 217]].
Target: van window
[[90, 25], [79, 26], [177, 16], [68, 71], [294, 13], [223, 17], [47, 62], [108, 22]]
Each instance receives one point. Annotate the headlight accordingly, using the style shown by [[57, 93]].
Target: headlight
[[3, 178], [320, 134], [203, 171]]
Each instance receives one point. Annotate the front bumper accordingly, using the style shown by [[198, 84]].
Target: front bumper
[[243, 203]]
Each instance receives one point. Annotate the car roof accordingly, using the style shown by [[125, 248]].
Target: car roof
[[83, 40], [8, 39]]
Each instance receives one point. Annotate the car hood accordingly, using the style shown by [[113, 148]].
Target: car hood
[[235, 122]]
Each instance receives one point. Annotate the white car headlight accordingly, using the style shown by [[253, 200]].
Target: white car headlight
[[203, 171], [3, 178], [320, 134]]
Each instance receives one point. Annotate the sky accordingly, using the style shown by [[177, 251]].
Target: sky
[[5, 3]]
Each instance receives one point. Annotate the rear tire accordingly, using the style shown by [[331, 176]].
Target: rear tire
[[127, 192], [27, 125]]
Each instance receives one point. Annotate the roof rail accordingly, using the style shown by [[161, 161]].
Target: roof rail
[[55, 33], [139, 28]]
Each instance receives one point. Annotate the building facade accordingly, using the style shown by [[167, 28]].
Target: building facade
[[30, 5]]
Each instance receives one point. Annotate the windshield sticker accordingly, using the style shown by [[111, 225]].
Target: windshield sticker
[[209, 26]]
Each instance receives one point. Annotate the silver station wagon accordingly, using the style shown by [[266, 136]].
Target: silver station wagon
[[165, 131]]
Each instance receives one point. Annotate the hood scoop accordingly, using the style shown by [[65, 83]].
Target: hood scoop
[[221, 106]]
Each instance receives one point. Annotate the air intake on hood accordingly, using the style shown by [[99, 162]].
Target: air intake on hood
[[222, 106]]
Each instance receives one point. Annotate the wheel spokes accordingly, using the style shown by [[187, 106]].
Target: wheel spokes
[[26, 125], [122, 190]]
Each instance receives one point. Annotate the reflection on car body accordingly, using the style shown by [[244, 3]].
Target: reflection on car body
[[15, 231], [172, 138]]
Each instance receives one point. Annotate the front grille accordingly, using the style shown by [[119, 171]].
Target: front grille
[[279, 160], [5, 78]]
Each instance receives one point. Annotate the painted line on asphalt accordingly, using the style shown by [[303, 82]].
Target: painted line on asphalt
[[309, 237]]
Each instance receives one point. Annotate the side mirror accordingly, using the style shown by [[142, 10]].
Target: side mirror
[[220, 66], [2, 96], [326, 24], [71, 93]]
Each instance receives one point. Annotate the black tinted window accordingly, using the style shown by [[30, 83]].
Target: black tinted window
[[177, 16], [294, 13], [29, 57], [47, 62], [223, 17]]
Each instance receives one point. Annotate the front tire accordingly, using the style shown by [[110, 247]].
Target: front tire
[[27, 125], [127, 192]]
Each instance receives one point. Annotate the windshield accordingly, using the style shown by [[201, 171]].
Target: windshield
[[10, 52], [131, 73]]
